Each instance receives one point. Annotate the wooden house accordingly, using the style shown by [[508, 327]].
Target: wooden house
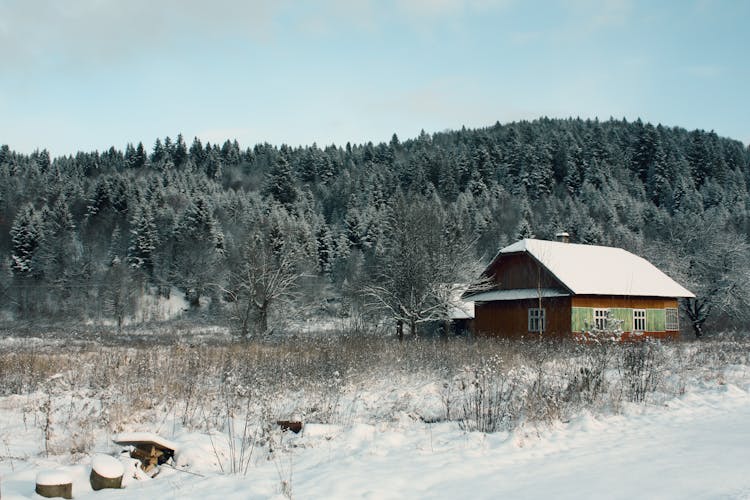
[[559, 289], [461, 313]]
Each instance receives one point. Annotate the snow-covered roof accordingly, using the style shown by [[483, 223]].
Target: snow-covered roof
[[597, 270], [515, 294], [460, 308], [464, 310]]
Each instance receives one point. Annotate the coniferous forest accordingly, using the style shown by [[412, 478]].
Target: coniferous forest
[[259, 235]]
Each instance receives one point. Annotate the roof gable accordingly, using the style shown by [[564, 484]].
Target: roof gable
[[521, 270], [598, 270]]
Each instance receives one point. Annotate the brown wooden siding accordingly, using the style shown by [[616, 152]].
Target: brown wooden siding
[[610, 301], [522, 271], [510, 318], [671, 335]]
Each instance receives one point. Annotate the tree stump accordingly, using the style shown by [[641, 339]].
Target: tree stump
[[290, 425], [106, 472], [54, 484]]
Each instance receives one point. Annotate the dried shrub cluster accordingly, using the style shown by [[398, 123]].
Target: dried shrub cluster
[[485, 385]]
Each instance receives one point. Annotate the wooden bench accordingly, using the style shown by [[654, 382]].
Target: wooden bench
[[150, 449]]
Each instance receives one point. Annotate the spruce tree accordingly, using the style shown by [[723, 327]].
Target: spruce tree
[[198, 250], [280, 183], [144, 240], [26, 235]]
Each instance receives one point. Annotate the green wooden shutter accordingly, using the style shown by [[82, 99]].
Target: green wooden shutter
[[623, 314], [655, 320], [581, 319]]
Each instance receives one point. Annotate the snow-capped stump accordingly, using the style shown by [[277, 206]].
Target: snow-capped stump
[[54, 484], [151, 449], [106, 472]]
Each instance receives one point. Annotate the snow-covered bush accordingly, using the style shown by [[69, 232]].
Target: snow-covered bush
[[587, 379], [642, 366], [487, 399]]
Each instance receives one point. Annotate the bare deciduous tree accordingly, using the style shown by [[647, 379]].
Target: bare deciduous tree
[[272, 265], [712, 262], [425, 261]]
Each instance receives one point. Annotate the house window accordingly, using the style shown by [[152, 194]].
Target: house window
[[639, 320], [672, 322], [600, 319], [537, 320]]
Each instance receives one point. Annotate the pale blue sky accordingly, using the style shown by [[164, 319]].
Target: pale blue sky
[[88, 74]]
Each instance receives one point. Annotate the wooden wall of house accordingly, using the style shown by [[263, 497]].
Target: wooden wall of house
[[522, 271], [621, 307], [510, 318], [612, 301]]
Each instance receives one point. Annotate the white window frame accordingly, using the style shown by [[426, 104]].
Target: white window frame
[[639, 320], [601, 317], [674, 325], [537, 317]]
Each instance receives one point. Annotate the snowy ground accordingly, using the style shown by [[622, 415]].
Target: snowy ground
[[695, 446], [389, 432]]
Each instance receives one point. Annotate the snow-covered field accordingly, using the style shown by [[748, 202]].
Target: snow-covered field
[[690, 439]]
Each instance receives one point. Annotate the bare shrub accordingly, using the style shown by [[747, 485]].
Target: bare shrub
[[241, 435], [543, 387], [545, 400], [242, 388], [487, 398], [641, 369], [587, 381]]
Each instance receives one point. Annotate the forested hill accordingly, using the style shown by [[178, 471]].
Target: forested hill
[[79, 233]]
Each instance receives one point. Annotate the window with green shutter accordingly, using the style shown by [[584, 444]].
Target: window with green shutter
[[600, 318], [639, 320]]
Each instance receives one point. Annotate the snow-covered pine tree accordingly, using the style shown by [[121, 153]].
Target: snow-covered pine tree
[[198, 250], [26, 235], [144, 240], [280, 184]]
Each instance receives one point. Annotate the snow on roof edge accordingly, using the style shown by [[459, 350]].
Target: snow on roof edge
[[515, 294]]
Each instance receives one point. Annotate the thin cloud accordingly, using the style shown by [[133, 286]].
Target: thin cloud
[[441, 8], [428, 17], [49, 32], [611, 12], [706, 71], [38, 34], [525, 37], [325, 18], [597, 14], [587, 17]]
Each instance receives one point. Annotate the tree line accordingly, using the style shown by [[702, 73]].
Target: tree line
[[267, 232]]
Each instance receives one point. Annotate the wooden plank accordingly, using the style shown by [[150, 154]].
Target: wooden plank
[[133, 438], [610, 301], [522, 271]]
